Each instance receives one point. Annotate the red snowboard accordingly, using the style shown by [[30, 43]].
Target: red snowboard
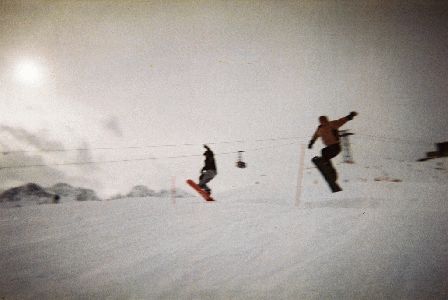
[[201, 192]]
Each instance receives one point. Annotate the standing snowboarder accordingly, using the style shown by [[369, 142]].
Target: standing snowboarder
[[328, 131], [208, 172]]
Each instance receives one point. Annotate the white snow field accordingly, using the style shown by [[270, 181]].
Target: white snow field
[[378, 239]]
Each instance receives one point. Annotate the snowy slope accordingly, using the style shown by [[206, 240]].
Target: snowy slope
[[376, 240]]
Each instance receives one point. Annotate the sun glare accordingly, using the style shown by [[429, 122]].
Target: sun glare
[[29, 72]]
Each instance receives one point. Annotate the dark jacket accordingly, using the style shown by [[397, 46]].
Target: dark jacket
[[209, 161]]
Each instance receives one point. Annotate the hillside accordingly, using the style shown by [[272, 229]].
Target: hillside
[[376, 240]]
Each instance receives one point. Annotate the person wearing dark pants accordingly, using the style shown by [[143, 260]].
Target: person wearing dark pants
[[329, 133], [208, 172]]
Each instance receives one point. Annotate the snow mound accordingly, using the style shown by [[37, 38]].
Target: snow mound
[[28, 194], [141, 191], [70, 193]]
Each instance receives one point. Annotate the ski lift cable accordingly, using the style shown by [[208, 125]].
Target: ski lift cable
[[148, 146], [393, 140], [303, 139], [129, 160]]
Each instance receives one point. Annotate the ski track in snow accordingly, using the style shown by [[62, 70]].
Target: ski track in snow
[[380, 240]]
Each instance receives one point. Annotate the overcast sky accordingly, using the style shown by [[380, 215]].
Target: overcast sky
[[114, 74]]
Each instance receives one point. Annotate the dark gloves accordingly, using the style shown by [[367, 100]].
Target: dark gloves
[[310, 145], [352, 115]]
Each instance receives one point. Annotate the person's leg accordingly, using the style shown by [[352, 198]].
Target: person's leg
[[205, 178], [327, 154], [331, 151]]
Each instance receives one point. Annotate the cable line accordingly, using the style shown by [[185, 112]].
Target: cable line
[[5, 152], [131, 159], [393, 140]]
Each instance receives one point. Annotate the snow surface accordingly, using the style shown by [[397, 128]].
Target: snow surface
[[377, 239]]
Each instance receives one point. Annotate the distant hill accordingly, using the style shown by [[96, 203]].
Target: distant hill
[[70, 193], [28, 194], [33, 194], [143, 191]]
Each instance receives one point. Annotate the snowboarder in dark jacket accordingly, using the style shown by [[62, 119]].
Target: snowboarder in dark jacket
[[208, 172], [328, 131]]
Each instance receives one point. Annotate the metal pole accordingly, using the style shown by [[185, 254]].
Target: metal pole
[[173, 190], [300, 173]]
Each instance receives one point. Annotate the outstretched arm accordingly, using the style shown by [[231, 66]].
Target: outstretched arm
[[313, 139], [342, 121]]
